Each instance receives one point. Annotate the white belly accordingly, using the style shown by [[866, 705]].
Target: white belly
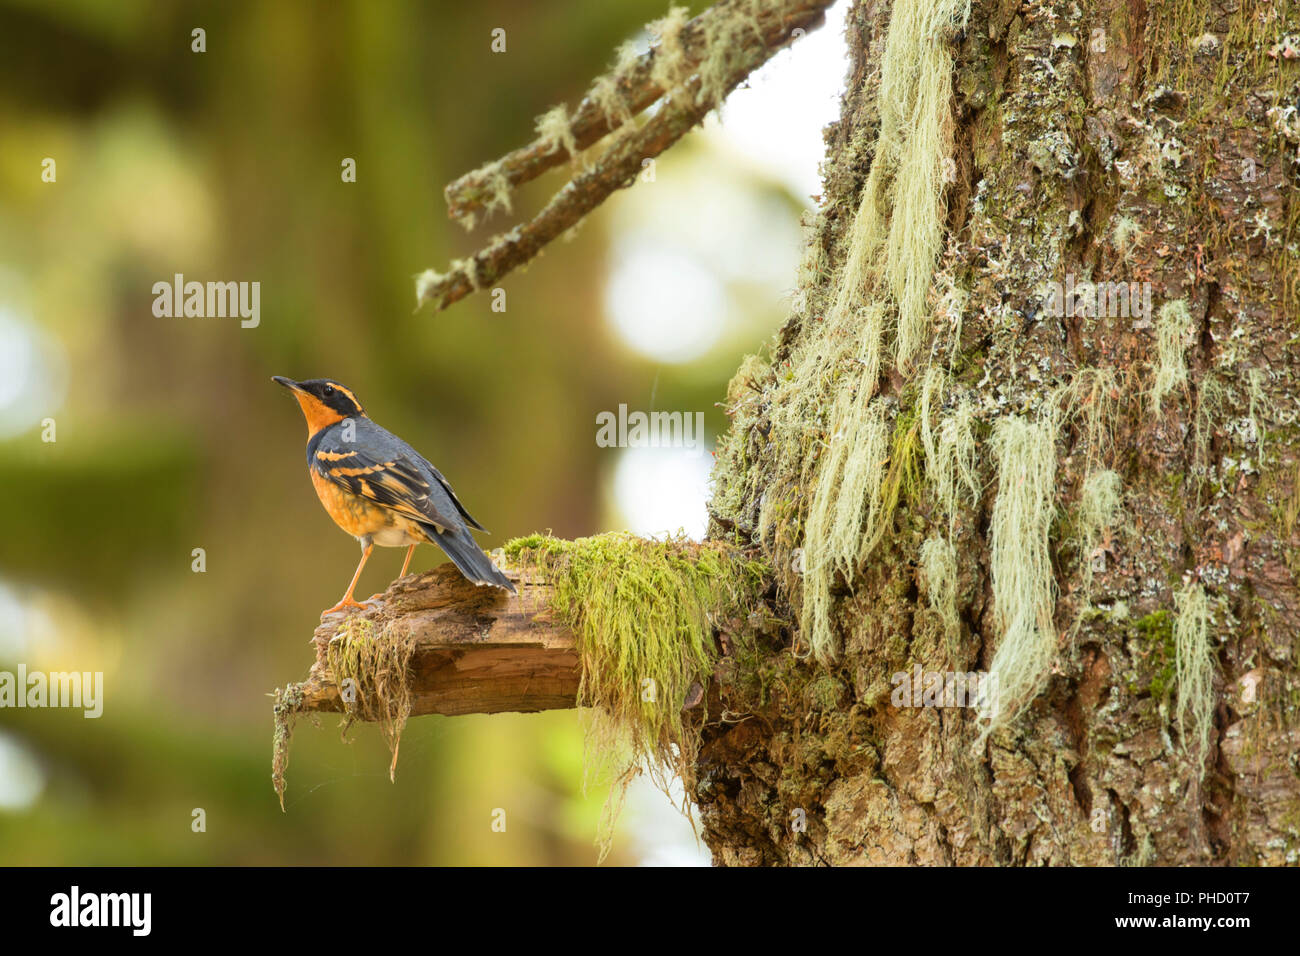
[[394, 536]]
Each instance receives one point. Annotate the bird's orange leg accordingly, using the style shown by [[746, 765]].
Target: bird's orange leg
[[348, 600], [405, 564]]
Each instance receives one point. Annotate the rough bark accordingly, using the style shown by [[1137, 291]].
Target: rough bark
[[1061, 132]]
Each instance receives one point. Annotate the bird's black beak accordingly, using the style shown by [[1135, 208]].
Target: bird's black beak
[[287, 383]]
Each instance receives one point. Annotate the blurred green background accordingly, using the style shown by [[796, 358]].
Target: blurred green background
[[225, 166]]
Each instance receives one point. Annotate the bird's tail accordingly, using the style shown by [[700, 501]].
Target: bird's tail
[[465, 553]]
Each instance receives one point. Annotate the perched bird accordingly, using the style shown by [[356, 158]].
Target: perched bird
[[379, 489]]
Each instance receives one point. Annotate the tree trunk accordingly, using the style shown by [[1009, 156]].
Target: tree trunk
[[1122, 511], [1004, 546]]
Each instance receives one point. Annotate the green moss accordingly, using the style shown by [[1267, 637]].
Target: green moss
[[644, 614], [1158, 624], [1157, 632], [825, 692], [903, 479]]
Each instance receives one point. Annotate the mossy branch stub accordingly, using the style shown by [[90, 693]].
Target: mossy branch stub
[[643, 613]]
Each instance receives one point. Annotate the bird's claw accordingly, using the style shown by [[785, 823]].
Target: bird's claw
[[346, 603]]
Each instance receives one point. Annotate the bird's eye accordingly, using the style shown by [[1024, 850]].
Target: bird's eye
[[328, 390]]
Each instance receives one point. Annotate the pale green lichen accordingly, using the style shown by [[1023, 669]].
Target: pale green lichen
[[897, 232], [734, 481], [1100, 504], [288, 703], [425, 283], [1023, 587], [1255, 390], [847, 498], [951, 466], [498, 186], [1090, 397], [934, 383], [469, 268], [1099, 510], [670, 68], [891, 248], [1126, 235], [371, 669], [726, 39], [1193, 669], [1173, 326], [951, 308], [1211, 398], [606, 91], [554, 131], [939, 566]]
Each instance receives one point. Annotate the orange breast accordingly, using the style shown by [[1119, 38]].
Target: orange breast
[[356, 515]]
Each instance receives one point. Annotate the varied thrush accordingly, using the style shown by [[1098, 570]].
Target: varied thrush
[[379, 489]]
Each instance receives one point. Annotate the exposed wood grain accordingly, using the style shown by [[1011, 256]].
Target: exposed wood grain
[[478, 650]]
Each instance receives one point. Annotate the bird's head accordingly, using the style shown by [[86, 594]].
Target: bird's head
[[323, 401]]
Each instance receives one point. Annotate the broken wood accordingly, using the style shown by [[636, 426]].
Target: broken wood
[[476, 649]]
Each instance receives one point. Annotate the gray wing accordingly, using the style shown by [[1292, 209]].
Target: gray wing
[[383, 468], [440, 481]]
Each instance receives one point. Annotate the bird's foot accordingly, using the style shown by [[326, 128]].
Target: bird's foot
[[348, 602]]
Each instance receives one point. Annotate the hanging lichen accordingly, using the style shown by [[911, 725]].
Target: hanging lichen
[[372, 670], [888, 261], [1023, 588], [939, 565], [1173, 325], [1193, 669], [1098, 511]]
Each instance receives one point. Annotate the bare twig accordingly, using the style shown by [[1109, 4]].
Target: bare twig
[[686, 105]]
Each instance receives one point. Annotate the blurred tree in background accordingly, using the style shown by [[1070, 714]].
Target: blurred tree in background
[[225, 165]]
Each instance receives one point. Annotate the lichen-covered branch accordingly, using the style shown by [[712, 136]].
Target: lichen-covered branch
[[694, 68], [632, 85], [617, 168]]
